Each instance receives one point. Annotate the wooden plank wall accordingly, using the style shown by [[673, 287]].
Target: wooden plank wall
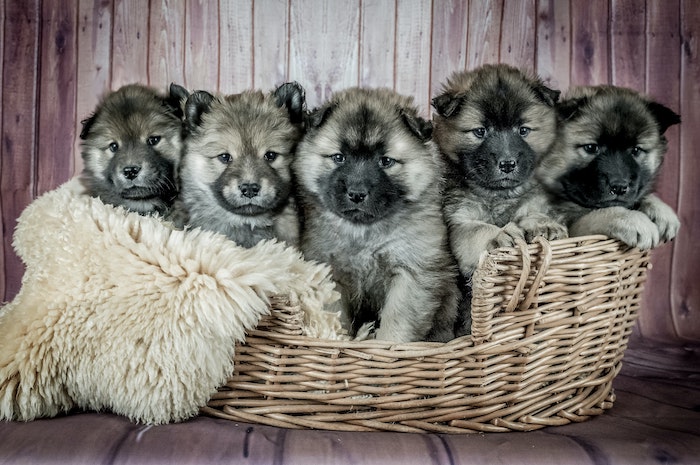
[[58, 57]]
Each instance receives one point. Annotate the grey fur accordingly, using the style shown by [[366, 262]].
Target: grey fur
[[236, 174], [378, 222], [132, 145]]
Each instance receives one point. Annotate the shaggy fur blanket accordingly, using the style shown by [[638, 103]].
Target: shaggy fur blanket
[[120, 312]]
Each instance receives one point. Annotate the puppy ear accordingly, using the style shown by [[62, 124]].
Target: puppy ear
[[291, 95], [567, 109], [319, 116], [418, 126], [87, 125], [547, 95], [176, 98], [447, 104], [664, 116], [197, 104]]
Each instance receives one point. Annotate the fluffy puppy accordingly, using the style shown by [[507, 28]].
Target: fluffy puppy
[[132, 145], [236, 175], [494, 124], [370, 179], [601, 170]]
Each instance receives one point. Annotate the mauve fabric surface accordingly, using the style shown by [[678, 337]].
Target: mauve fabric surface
[[655, 419]]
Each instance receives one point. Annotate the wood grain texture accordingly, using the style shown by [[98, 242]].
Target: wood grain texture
[[319, 49], [685, 290], [57, 88], [553, 51], [449, 49], [377, 43], [662, 73], [413, 52], [235, 46], [589, 56], [19, 125], [518, 33], [202, 45], [2, 232], [129, 43], [94, 64], [166, 41], [270, 58], [484, 32]]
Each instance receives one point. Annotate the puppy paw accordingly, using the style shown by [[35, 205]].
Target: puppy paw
[[542, 226], [663, 217], [506, 236], [632, 227]]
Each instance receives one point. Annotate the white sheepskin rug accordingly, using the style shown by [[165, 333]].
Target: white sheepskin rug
[[119, 312]]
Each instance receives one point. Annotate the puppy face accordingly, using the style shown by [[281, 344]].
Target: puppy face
[[609, 149], [495, 123], [364, 156], [239, 148], [132, 148]]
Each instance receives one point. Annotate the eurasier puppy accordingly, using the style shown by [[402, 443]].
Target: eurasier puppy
[[601, 170], [131, 146], [236, 175], [494, 124], [370, 179]]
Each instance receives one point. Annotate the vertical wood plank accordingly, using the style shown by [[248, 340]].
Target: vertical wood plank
[[518, 33], [662, 73], [323, 46], [686, 259], [484, 32], [271, 47], [235, 46], [554, 42], [129, 43], [628, 43], [202, 45], [94, 63], [449, 50], [19, 131], [2, 216], [57, 89], [166, 41], [589, 55], [413, 21], [377, 43]]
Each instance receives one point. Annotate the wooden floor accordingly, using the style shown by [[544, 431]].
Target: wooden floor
[[655, 419]]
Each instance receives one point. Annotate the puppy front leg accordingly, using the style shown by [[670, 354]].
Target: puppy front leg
[[408, 309], [468, 240], [632, 227]]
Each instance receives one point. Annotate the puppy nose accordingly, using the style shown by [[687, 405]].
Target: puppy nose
[[619, 189], [130, 172], [249, 189], [507, 165], [357, 197]]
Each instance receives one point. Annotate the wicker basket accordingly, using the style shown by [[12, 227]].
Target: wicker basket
[[551, 321]]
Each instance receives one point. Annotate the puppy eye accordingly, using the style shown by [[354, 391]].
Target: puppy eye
[[113, 147], [524, 131], [225, 158], [153, 140], [479, 132], [591, 149], [338, 158], [637, 151], [386, 162], [270, 156]]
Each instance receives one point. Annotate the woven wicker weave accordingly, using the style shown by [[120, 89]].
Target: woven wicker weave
[[551, 323]]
